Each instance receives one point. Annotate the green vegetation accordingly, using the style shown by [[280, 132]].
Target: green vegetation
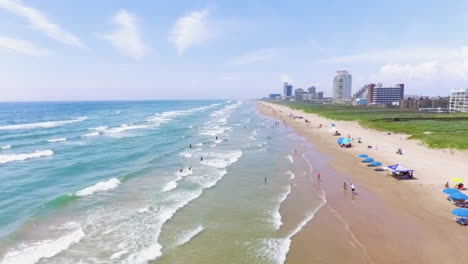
[[446, 133]]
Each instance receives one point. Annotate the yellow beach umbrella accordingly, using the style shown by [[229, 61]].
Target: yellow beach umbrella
[[457, 180]]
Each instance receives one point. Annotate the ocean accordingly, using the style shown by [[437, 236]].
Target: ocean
[[150, 182]]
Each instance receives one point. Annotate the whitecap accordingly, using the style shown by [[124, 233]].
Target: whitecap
[[57, 139], [6, 147], [99, 187], [24, 156], [92, 134], [290, 158], [46, 124]]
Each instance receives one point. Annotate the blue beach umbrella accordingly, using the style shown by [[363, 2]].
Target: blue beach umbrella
[[459, 196], [451, 190], [368, 160], [333, 125], [375, 163], [363, 156], [460, 212]]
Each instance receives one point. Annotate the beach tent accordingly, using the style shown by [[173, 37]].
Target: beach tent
[[399, 168], [401, 171], [363, 156], [460, 212], [368, 160], [451, 190], [459, 196], [375, 163]]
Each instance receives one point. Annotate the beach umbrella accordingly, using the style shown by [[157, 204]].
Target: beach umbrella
[[333, 125], [359, 138], [459, 196], [368, 160], [460, 212], [451, 190], [457, 180], [375, 163], [363, 156]]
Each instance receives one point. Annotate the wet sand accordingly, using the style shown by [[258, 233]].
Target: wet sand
[[388, 221]]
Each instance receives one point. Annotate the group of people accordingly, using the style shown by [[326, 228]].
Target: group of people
[[345, 186]]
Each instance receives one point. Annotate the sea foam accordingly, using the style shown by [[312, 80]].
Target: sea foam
[[99, 187], [46, 124], [189, 235], [224, 159], [36, 251], [24, 156]]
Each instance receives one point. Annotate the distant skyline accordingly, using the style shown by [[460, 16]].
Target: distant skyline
[[141, 50]]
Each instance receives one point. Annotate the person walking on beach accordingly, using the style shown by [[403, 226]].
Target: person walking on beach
[[265, 179], [352, 188], [344, 186], [318, 176]]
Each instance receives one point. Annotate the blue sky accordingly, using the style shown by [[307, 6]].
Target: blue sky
[[117, 50]]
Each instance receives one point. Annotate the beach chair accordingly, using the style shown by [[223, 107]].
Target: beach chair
[[462, 221]]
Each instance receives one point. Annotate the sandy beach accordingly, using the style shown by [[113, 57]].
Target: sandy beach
[[389, 220]]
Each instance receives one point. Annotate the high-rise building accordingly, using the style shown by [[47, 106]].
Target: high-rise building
[[311, 90], [298, 94], [319, 95], [342, 84], [287, 89], [459, 100], [378, 95]]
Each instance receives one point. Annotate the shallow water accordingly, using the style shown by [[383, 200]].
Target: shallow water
[[101, 183]]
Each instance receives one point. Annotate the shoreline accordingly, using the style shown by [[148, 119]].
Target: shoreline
[[389, 221]]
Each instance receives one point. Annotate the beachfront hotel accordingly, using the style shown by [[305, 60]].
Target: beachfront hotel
[[342, 84], [379, 95], [458, 100]]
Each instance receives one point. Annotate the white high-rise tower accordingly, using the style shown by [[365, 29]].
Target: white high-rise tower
[[342, 84]]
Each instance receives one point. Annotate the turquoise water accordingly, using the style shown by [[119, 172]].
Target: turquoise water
[[117, 182]]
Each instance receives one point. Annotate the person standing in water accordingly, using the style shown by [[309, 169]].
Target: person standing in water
[[265, 179], [190, 145], [201, 158]]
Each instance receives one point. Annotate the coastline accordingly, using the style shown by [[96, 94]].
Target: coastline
[[389, 221]]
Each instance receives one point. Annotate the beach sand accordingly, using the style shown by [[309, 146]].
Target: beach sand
[[388, 221]]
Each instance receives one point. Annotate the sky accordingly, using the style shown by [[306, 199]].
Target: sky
[[141, 50]]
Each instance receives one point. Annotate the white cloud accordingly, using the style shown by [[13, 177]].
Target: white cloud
[[408, 71], [40, 22], [263, 55], [189, 30], [386, 56], [127, 38], [22, 46]]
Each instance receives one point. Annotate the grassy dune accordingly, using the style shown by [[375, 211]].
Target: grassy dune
[[451, 134]]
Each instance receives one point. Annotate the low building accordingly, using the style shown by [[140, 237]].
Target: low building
[[274, 96], [459, 100], [424, 103]]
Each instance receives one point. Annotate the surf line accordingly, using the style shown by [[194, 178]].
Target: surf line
[[332, 210]]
